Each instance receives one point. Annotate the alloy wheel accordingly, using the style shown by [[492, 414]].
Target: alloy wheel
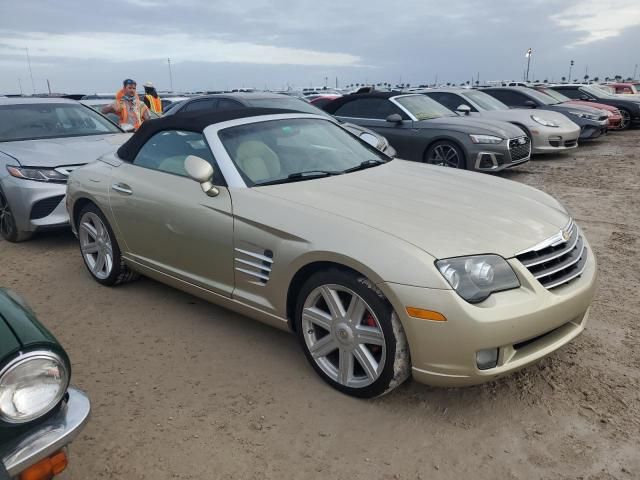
[[626, 119], [344, 336], [95, 245], [7, 222], [445, 156]]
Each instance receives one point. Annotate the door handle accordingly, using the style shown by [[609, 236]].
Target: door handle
[[122, 188]]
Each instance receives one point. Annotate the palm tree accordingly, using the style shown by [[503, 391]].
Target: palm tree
[[618, 78], [586, 78], [546, 80], [607, 79], [564, 79], [596, 79]]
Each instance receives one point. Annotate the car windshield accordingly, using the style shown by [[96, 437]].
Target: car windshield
[[598, 92], [281, 151], [555, 95], [541, 97], [483, 100], [424, 108], [287, 103], [50, 120]]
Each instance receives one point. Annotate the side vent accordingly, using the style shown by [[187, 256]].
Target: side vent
[[254, 265]]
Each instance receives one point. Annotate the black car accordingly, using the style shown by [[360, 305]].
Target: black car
[[592, 122], [629, 109], [239, 100]]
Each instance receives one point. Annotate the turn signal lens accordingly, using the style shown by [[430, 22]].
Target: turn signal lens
[[47, 468], [426, 314]]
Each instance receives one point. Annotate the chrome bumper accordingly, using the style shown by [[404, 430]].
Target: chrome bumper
[[49, 436]]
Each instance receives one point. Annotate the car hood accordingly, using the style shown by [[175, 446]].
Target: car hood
[[54, 152], [442, 211], [566, 107], [475, 125], [523, 116]]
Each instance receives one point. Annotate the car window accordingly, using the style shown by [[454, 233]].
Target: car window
[[227, 104], [200, 105], [26, 121], [450, 100], [287, 103], [423, 108], [509, 97], [378, 108], [166, 152], [573, 93]]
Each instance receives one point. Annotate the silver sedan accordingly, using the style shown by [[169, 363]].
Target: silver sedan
[[41, 141], [549, 131]]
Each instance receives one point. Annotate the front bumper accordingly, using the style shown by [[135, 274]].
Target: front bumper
[[594, 129], [525, 324], [494, 158], [35, 205], [49, 436], [554, 140]]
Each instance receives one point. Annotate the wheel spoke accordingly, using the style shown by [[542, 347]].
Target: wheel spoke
[[108, 261], [323, 347], [333, 302], [99, 265], [369, 335], [90, 248], [345, 367], [356, 310], [90, 229], [317, 317], [366, 361]]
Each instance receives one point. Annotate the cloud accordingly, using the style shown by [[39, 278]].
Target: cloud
[[599, 19], [180, 47]]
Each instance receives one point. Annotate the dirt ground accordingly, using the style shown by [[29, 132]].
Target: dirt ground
[[184, 389]]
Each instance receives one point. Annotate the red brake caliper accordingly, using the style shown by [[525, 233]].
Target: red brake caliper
[[369, 321]]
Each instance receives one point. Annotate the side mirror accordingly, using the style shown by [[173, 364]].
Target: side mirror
[[127, 127], [394, 118], [530, 104], [464, 108], [202, 172]]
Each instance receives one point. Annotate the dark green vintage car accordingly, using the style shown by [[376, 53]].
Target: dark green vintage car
[[39, 413]]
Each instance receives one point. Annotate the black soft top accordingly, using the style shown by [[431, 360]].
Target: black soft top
[[189, 122]]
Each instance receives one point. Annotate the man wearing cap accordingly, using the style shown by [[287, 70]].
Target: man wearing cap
[[151, 99], [128, 106]]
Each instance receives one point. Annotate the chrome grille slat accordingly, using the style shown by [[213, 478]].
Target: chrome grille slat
[[257, 265], [571, 260], [519, 151], [266, 268], [264, 258], [553, 255], [555, 261], [253, 274]]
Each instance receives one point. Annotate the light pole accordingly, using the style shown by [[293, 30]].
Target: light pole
[[33, 85], [528, 55], [570, 68], [170, 74], [635, 71]]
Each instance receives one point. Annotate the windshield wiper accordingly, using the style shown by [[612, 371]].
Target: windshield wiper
[[364, 165], [299, 176]]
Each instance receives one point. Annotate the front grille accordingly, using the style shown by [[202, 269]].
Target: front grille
[[520, 148], [557, 261], [43, 208]]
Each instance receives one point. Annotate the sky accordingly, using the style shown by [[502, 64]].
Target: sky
[[87, 47]]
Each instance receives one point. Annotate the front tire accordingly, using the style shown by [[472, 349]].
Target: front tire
[[100, 250], [445, 154], [350, 334], [8, 227], [626, 119]]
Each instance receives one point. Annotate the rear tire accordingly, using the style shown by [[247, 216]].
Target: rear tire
[[350, 334], [100, 250], [8, 227], [626, 119], [445, 154]]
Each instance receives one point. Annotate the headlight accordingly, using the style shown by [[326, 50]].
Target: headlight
[[542, 121], [31, 386], [37, 174], [485, 139], [475, 278], [585, 115]]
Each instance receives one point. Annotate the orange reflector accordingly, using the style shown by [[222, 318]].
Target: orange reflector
[[47, 468], [426, 314]]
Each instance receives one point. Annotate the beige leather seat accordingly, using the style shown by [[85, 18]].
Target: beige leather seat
[[257, 161]]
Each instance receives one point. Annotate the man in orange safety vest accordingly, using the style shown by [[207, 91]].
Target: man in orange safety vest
[[151, 98], [130, 110]]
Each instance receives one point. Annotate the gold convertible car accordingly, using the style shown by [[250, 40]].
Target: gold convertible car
[[383, 268]]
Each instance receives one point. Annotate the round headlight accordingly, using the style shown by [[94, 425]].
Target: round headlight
[[452, 276], [31, 386], [480, 272]]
